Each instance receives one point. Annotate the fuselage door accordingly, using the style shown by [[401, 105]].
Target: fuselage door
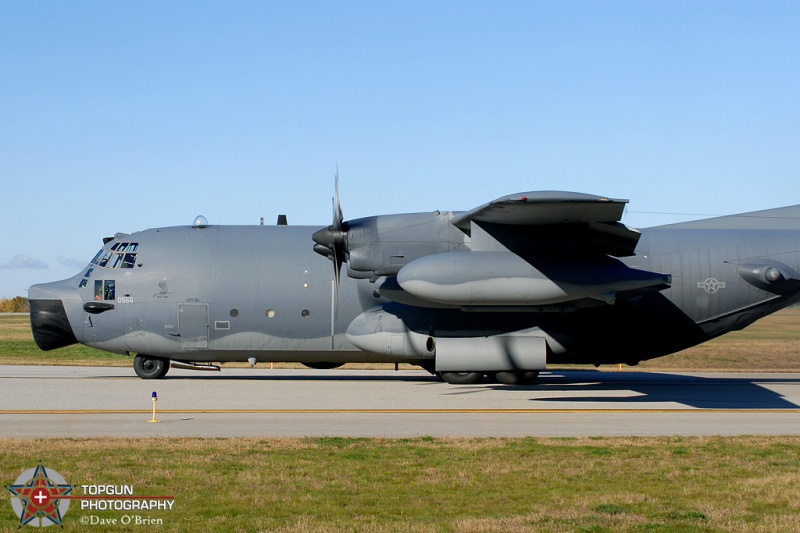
[[193, 326]]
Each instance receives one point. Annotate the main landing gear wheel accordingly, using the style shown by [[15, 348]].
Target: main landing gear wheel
[[516, 378], [150, 367], [323, 365], [462, 378]]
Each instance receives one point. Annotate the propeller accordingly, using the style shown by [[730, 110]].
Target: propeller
[[332, 241]]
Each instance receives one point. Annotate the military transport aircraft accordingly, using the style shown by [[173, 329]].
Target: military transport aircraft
[[498, 291]]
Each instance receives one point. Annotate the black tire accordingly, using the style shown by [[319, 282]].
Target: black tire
[[517, 378], [462, 378], [430, 367], [323, 365], [147, 367]]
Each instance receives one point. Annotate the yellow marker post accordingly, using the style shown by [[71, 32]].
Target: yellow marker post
[[155, 399]]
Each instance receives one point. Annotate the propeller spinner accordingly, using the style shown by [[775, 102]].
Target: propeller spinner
[[332, 241]]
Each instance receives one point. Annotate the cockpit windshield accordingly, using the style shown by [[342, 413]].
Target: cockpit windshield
[[120, 255]]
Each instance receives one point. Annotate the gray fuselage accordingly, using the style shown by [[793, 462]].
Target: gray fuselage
[[230, 293]]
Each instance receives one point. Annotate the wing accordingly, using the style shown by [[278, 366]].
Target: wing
[[531, 250], [522, 250], [580, 217]]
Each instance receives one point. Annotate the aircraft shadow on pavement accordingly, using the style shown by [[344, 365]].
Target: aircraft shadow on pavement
[[582, 387], [702, 392], [328, 376]]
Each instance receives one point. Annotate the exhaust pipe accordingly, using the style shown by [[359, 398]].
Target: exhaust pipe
[[193, 366]]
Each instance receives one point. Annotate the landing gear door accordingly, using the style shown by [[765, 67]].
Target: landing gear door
[[193, 326]]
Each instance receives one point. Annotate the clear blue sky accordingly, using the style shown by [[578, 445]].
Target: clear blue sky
[[120, 116]]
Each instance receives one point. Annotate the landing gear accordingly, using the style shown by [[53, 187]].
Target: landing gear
[[323, 365], [462, 378], [506, 378], [429, 367], [147, 367], [516, 378]]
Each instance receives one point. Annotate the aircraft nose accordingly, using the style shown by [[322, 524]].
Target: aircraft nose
[[49, 322]]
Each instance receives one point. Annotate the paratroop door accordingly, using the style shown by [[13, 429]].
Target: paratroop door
[[193, 326]]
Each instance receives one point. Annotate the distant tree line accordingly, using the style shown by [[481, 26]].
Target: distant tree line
[[17, 304]]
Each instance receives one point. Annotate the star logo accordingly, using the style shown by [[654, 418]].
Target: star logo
[[711, 285], [40, 497]]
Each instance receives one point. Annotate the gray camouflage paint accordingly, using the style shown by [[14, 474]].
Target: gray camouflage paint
[[228, 293]]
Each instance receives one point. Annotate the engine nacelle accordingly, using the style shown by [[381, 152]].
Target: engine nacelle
[[382, 245]]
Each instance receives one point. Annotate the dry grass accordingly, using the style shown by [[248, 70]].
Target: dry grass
[[15, 328], [772, 343]]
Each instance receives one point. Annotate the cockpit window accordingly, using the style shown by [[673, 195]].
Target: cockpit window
[[105, 258], [104, 290], [120, 255], [129, 261]]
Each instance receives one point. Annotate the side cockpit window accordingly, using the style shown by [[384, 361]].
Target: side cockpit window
[[104, 260], [120, 255], [105, 289]]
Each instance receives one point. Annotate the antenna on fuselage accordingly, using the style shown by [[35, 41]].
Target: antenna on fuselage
[[200, 222]]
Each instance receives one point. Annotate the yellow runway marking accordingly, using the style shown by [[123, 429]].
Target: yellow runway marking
[[381, 411]]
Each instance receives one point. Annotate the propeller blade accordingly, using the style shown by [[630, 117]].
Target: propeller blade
[[332, 241], [337, 274], [338, 217]]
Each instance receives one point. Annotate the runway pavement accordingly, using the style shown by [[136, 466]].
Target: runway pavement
[[49, 401]]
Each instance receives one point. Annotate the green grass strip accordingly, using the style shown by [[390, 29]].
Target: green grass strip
[[427, 484]]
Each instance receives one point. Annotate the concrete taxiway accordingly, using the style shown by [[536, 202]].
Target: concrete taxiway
[[43, 401]]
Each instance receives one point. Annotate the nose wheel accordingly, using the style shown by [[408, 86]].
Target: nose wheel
[[147, 367]]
